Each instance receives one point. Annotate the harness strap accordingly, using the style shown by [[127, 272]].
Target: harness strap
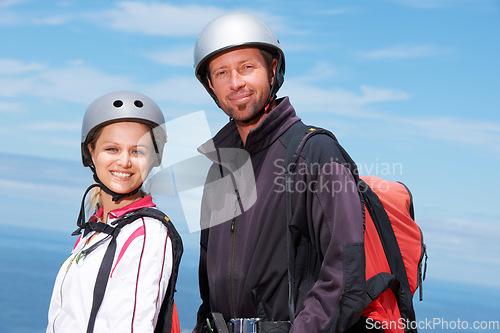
[[98, 227], [102, 282]]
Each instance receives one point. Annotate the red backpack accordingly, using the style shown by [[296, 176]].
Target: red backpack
[[394, 247], [394, 250]]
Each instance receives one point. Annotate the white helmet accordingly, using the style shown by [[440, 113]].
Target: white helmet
[[236, 30], [123, 106]]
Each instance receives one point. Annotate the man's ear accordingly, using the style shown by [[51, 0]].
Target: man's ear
[[272, 73], [209, 81]]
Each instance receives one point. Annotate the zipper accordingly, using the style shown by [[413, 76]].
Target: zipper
[[74, 258], [233, 282], [233, 254], [61, 290]]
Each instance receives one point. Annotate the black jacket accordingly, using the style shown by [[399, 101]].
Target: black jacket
[[243, 259]]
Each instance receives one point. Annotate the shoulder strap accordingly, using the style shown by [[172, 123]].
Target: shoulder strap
[[102, 281], [296, 137], [297, 132], [164, 323]]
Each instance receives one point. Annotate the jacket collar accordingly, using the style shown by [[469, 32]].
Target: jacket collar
[[147, 201]]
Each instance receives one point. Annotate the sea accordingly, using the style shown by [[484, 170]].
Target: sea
[[30, 259]]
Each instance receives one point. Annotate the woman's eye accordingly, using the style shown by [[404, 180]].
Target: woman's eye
[[138, 152], [111, 149]]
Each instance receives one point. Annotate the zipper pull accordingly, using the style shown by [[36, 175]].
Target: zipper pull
[[232, 224]]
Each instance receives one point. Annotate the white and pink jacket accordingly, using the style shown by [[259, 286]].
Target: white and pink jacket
[[136, 286]]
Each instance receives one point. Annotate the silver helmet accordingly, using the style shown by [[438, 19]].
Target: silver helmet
[[231, 31], [123, 106]]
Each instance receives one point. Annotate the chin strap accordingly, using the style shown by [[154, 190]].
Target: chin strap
[[115, 196], [81, 223], [81, 216]]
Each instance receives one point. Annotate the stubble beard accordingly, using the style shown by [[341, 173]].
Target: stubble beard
[[246, 111]]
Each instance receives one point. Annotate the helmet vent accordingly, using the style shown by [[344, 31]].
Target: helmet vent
[[138, 104], [117, 103]]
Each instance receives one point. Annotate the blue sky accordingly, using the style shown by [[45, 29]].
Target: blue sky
[[411, 88]]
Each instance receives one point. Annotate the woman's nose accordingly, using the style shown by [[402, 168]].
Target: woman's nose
[[124, 159]]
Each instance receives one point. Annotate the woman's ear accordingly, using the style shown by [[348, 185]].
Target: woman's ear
[[91, 151]]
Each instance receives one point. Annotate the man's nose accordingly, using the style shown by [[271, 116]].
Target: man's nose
[[236, 81]]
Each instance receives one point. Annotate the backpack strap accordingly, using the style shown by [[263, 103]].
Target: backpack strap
[[295, 139], [164, 323], [291, 154]]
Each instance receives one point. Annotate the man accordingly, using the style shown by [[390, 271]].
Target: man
[[243, 259]]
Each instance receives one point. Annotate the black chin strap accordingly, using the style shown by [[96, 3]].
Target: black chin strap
[[81, 223], [81, 216], [115, 196]]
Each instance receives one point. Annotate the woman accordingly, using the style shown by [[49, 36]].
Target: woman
[[122, 271]]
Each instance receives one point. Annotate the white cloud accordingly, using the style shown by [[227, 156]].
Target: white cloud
[[376, 95], [73, 83], [178, 56], [328, 101], [50, 126], [338, 100], [436, 4], [9, 3], [336, 11], [11, 107], [10, 66], [158, 19], [461, 130], [184, 90], [453, 244], [46, 192], [7, 16], [77, 83], [54, 20], [407, 51], [425, 4]]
